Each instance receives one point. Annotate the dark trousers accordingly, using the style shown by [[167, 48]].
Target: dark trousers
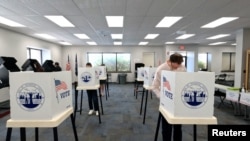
[[93, 99], [167, 131]]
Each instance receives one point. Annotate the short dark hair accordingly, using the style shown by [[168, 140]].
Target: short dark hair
[[89, 64], [56, 63], [176, 58]]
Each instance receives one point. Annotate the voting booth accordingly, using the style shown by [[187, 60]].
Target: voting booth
[[39, 96], [88, 76], [149, 74], [140, 73], [101, 71], [245, 98], [188, 94]]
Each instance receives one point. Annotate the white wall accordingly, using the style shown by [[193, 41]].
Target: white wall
[[136, 54], [13, 44], [215, 51]]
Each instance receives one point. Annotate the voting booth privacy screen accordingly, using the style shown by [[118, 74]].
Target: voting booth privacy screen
[[188, 94], [101, 70], [149, 74], [39, 96], [140, 73], [88, 76]]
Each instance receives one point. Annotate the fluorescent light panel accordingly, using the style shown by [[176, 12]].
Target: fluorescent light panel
[[151, 36], [234, 44], [168, 21], [10, 22], [185, 36], [218, 36], [82, 36], [217, 43], [116, 36], [115, 21], [91, 43], [143, 43], [117, 43], [46, 36], [60, 20], [219, 22], [65, 43], [169, 43]]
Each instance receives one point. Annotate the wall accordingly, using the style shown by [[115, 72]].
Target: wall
[[215, 51], [13, 44], [136, 54]]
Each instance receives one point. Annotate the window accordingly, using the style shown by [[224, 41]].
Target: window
[[228, 61], [115, 62], [34, 54], [202, 61]]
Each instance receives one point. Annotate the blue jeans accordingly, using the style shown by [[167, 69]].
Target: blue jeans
[[93, 99]]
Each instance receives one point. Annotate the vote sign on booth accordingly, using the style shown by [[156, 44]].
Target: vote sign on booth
[[39, 96], [188, 94], [101, 71]]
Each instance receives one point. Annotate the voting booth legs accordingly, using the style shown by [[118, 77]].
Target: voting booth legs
[[80, 110], [146, 90], [137, 88], [23, 129]]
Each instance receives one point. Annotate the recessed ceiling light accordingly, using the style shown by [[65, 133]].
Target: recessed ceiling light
[[143, 43], [234, 44], [60, 20], [65, 43], [10, 22], [91, 43], [218, 36], [217, 43], [116, 36], [82, 36], [46, 36], [117, 43], [219, 22], [168, 21], [185, 36], [169, 43], [151, 36], [115, 21]]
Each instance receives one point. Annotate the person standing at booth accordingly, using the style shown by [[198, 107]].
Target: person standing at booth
[[174, 63], [57, 67], [92, 98]]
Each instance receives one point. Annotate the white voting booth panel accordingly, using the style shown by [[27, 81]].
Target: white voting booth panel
[[101, 71], [245, 98], [149, 76], [39, 96], [88, 77], [140, 73], [188, 94], [232, 95]]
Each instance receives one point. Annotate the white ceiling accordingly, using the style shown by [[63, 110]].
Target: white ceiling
[[140, 18]]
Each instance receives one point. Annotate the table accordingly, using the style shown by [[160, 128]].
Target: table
[[96, 87], [183, 120], [245, 100], [53, 123], [138, 83], [147, 88], [220, 91]]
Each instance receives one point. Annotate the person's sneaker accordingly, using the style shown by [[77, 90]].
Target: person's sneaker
[[91, 112], [96, 113]]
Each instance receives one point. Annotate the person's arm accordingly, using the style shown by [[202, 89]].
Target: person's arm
[[157, 83]]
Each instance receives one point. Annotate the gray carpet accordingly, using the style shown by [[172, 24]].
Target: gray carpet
[[121, 120]]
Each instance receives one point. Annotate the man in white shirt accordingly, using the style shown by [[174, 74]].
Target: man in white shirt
[[174, 63]]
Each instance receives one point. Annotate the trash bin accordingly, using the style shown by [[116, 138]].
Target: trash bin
[[122, 78]]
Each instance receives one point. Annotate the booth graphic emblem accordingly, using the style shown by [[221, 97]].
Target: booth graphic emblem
[[194, 95], [86, 77], [30, 96]]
